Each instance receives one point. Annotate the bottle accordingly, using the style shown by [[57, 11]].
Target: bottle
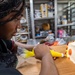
[[64, 21]]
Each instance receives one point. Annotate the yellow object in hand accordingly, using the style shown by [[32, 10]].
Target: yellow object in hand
[[28, 54], [56, 54]]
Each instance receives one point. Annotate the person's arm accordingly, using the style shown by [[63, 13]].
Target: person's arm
[[48, 66], [28, 47], [47, 63]]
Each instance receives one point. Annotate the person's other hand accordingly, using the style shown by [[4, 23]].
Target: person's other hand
[[41, 50]]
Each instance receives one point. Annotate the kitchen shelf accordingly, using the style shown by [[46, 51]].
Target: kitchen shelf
[[37, 22], [38, 2], [40, 37], [62, 25], [34, 4], [68, 7], [43, 18], [22, 33], [25, 25]]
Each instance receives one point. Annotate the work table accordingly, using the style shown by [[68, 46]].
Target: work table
[[64, 65]]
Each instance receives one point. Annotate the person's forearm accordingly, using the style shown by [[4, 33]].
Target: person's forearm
[[48, 66], [29, 47]]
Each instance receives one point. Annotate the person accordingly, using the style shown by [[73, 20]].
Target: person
[[11, 12]]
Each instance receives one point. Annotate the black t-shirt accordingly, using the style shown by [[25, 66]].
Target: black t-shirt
[[9, 71], [7, 58]]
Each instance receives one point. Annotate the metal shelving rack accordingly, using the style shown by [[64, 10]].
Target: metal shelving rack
[[73, 12], [32, 2], [68, 9], [72, 17], [70, 24], [26, 23], [55, 18], [43, 18]]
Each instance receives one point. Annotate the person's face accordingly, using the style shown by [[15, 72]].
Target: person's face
[[9, 29]]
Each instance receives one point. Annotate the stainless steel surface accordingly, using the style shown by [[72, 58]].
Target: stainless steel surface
[[55, 4], [32, 19], [43, 18], [65, 1], [70, 24], [27, 22]]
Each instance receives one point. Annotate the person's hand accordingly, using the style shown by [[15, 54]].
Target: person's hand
[[41, 50]]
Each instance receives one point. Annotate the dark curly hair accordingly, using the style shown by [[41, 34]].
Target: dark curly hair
[[8, 6]]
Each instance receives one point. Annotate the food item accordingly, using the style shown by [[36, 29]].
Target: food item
[[44, 11], [46, 26], [71, 51]]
